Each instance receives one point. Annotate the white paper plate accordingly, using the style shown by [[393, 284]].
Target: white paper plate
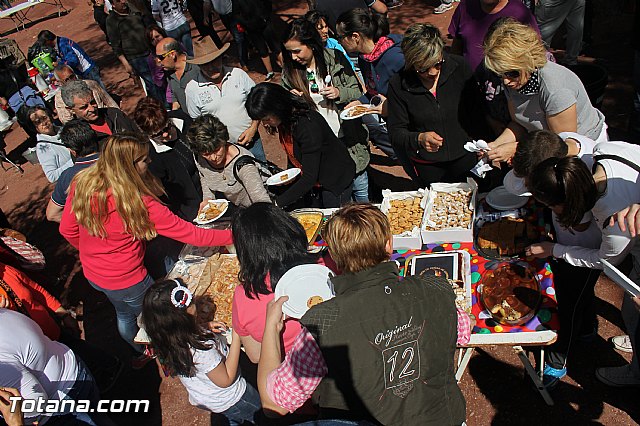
[[501, 199], [515, 185], [345, 112], [304, 285], [200, 218], [277, 179]]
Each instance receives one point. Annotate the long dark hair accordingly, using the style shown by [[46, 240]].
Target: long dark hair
[[304, 32], [364, 22], [268, 241], [172, 330], [565, 182], [272, 99]]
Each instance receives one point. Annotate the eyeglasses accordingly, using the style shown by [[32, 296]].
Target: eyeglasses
[[164, 55], [165, 129], [437, 65], [311, 77], [511, 75]]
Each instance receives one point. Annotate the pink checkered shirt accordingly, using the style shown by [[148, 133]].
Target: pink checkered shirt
[[298, 376], [464, 327]]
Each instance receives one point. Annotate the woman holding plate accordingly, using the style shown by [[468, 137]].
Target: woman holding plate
[[217, 161], [112, 211], [310, 145], [324, 78]]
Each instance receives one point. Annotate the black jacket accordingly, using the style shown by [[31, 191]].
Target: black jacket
[[389, 345], [323, 157], [454, 114], [179, 175], [117, 121]]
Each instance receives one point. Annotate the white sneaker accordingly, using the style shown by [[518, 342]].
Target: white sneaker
[[443, 8], [618, 376], [622, 343]]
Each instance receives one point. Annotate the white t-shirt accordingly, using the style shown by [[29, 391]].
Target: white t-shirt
[[204, 97], [203, 392], [326, 108], [170, 11], [33, 363], [623, 189]]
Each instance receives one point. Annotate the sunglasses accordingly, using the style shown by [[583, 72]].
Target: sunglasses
[[311, 76], [37, 120], [437, 65], [165, 129], [511, 75], [164, 55]]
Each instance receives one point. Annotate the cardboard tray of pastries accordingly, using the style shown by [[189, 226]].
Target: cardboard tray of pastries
[[450, 212], [405, 211]]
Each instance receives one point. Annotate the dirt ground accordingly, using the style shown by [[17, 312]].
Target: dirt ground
[[493, 384]]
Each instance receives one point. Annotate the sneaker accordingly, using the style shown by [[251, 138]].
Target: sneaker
[[622, 343], [443, 8], [141, 361], [270, 76], [395, 3], [551, 376], [617, 376]]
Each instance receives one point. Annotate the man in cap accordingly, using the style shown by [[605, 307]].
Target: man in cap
[[222, 91]]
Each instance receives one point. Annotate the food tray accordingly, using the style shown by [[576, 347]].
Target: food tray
[[408, 240], [494, 254], [312, 224], [524, 292], [213, 294], [456, 234]]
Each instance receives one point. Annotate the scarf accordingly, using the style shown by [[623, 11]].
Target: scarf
[[532, 86], [287, 143], [382, 45]]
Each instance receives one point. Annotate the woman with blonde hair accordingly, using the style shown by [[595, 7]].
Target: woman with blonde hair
[[431, 103], [111, 212], [542, 95]]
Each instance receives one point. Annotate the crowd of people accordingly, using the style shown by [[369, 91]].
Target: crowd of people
[[127, 188]]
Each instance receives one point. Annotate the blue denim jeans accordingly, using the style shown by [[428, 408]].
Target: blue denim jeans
[[128, 305], [84, 388], [360, 188], [94, 74], [245, 409], [183, 35], [257, 150], [141, 67]]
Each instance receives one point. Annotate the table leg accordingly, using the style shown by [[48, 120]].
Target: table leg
[[463, 360], [533, 375]]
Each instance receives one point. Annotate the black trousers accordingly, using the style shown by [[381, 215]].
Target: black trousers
[[448, 171], [576, 312]]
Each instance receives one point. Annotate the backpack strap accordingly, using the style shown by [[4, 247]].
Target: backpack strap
[[598, 158]]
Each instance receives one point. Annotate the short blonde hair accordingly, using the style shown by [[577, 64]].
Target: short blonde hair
[[357, 236], [513, 46], [422, 46]]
